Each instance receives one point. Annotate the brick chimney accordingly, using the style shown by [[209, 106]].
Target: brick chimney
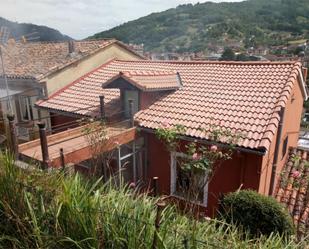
[[71, 46]]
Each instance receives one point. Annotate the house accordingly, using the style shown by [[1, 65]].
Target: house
[[261, 100], [36, 70], [293, 189]]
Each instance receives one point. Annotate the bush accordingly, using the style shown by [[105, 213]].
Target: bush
[[49, 210], [258, 214]]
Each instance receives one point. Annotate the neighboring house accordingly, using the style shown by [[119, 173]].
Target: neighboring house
[[23, 92], [46, 67], [293, 189], [250, 98]]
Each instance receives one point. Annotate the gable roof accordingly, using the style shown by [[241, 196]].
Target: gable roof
[[293, 189], [148, 80], [39, 59], [242, 97]]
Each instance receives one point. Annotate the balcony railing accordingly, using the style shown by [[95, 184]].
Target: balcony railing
[[73, 145]]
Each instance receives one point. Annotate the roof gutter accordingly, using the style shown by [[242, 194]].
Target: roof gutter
[[208, 142], [276, 153], [302, 80]]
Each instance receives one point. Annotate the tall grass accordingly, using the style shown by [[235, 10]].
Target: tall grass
[[48, 210]]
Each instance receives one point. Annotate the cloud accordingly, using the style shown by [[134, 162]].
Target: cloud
[[82, 18]]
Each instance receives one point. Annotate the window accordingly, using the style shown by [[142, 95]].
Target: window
[[285, 146], [26, 112], [132, 160], [181, 181]]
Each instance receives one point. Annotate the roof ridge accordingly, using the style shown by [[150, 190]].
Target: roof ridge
[[292, 62], [148, 72], [63, 41]]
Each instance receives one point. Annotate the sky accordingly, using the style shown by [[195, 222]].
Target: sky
[[82, 18]]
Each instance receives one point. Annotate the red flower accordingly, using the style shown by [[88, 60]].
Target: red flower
[[296, 174], [196, 157], [165, 124], [132, 185], [213, 148]]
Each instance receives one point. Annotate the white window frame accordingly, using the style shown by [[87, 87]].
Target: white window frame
[[133, 154], [28, 107], [174, 155]]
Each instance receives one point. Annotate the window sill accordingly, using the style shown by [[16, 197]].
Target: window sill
[[192, 202]]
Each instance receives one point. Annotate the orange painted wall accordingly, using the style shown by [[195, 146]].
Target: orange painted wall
[[291, 127]]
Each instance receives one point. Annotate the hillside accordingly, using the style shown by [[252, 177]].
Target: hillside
[[203, 25], [42, 32]]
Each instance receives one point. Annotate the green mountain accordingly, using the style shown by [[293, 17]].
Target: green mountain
[[203, 25], [42, 33]]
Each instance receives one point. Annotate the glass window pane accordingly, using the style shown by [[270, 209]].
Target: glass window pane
[[126, 149], [127, 169], [189, 184]]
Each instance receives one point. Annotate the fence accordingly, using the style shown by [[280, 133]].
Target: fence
[[117, 230], [145, 234]]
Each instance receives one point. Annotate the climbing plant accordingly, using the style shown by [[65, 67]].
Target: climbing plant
[[201, 159], [95, 133]]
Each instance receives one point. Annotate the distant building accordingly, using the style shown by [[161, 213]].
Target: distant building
[[37, 70], [138, 48]]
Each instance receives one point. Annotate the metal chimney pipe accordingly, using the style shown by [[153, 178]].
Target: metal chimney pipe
[[131, 114], [102, 108]]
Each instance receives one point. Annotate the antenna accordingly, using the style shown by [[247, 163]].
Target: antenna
[[4, 36], [28, 37]]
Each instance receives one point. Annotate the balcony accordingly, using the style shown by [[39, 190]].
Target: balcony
[[72, 146]]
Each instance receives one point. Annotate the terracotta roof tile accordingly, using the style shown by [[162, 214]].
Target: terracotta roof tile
[[243, 97], [38, 59], [149, 80], [293, 189]]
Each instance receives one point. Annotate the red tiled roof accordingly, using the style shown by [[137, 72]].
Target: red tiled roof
[[149, 80], [242, 97], [293, 189], [38, 59]]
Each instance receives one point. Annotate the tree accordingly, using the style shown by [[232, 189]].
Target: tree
[[96, 136], [228, 55]]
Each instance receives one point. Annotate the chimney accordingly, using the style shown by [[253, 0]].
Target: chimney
[[71, 46]]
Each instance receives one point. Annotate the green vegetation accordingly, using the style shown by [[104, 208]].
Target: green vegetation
[[50, 210], [17, 30], [206, 25], [256, 213], [229, 55]]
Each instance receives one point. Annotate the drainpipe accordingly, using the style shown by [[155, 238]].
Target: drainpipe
[[276, 154], [44, 147]]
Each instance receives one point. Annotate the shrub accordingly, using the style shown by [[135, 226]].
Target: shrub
[[49, 210], [258, 214]]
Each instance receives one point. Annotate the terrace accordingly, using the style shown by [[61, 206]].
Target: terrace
[[73, 145]]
